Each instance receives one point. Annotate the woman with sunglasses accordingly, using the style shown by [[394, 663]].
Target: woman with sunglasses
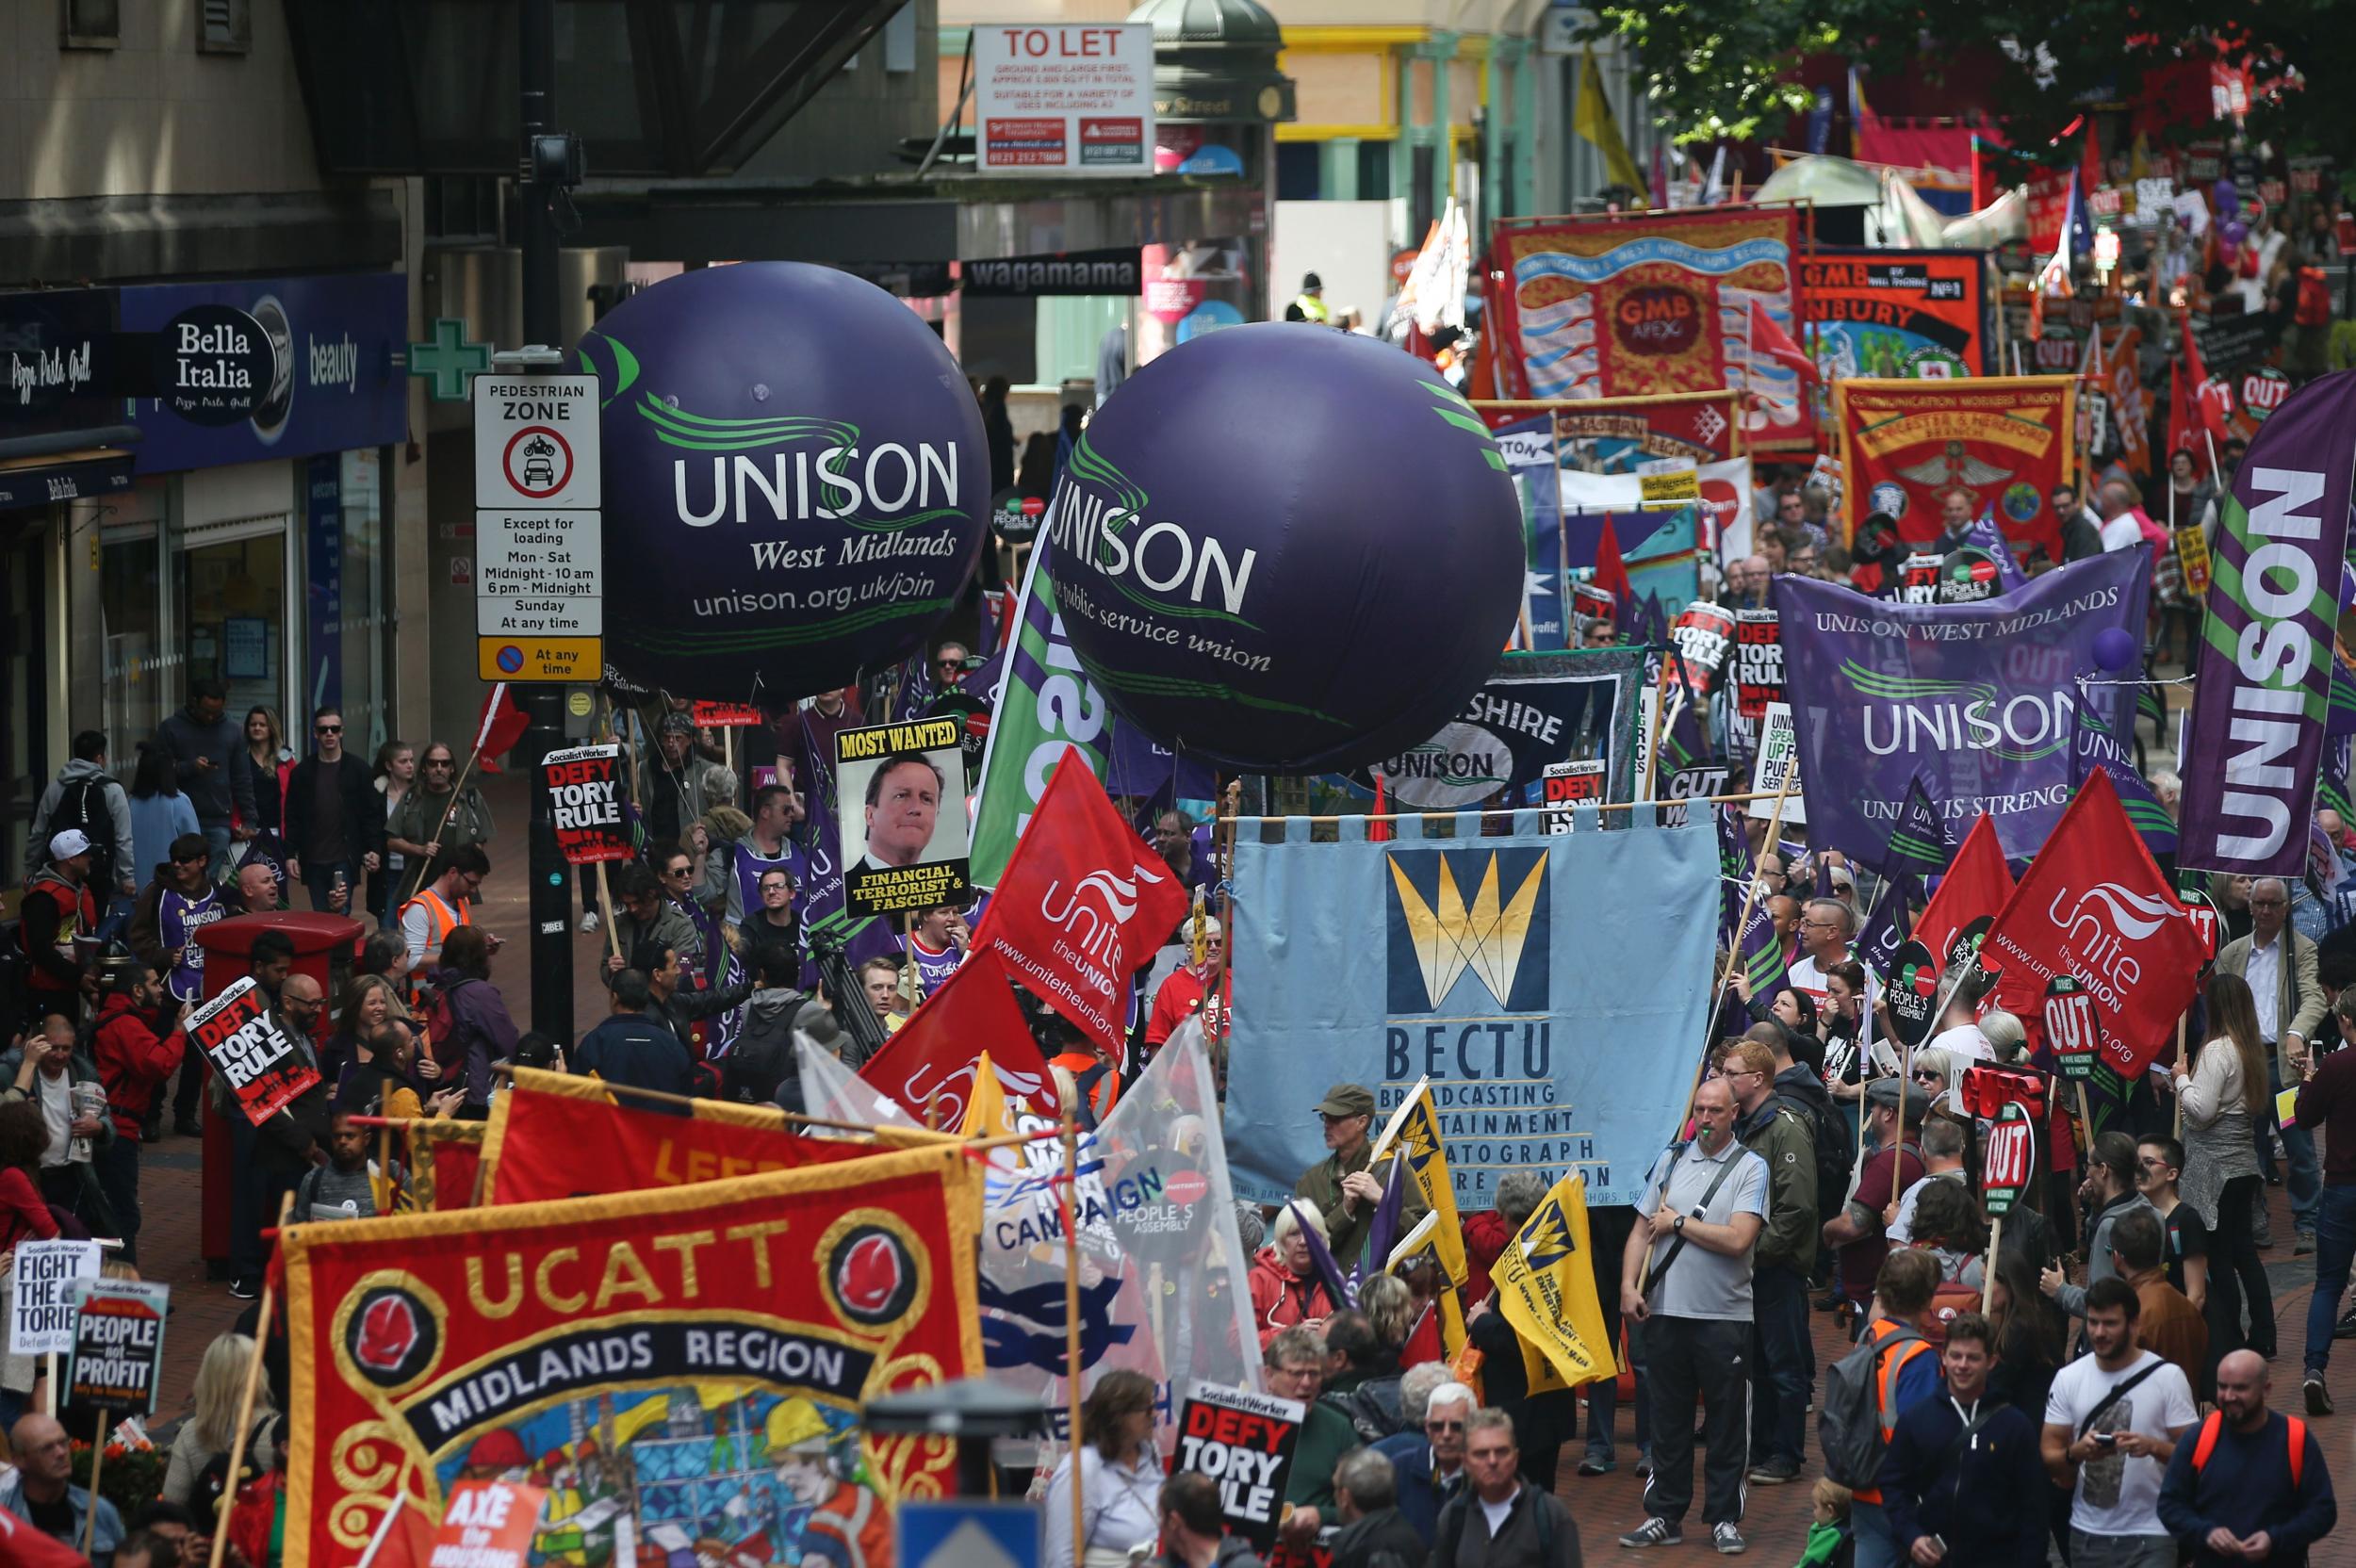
[[435, 817], [271, 763]]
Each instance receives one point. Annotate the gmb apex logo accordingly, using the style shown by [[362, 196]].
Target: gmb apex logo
[[1499, 934]]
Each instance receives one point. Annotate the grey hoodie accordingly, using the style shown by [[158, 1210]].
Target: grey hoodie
[[118, 806]]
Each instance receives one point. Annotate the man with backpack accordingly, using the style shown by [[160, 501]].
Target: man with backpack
[[1866, 1391], [1501, 1521], [1783, 1367], [2251, 1485], [84, 795], [2111, 1426], [1685, 1277], [1959, 1466]]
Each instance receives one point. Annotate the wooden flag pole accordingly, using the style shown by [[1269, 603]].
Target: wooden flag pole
[[97, 1461], [1987, 1272], [1071, 1326], [245, 1407], [605, 911], [2179, 1065]]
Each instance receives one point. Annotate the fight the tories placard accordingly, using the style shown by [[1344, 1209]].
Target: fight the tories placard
[[1243, 1441], [263, 1065], [586, 804], [901, 794], [40, 1311]]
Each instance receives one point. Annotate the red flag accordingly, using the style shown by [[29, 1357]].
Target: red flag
[[2094, 905], [1973, 889], [1773, 341], [499, 726], [928, 1065], [2196, 406], [1082, 903], [23, 1546]]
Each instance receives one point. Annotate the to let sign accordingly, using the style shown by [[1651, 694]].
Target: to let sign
[[539, 541], [1064, 98]]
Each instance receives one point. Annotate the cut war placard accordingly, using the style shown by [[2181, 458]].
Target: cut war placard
[[261, 1063], [1243, 1441], [118, 1347], [41, 1310], [585, 803]]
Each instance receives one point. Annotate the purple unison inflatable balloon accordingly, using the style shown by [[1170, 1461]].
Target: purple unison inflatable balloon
[[1286, 549], [2116, 648], [795, 484]]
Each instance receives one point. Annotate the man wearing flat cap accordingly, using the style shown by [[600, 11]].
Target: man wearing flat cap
[[1347, 1187], [1856, 1233]]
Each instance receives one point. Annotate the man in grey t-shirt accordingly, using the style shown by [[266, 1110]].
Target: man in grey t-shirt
[[1685, 1276]]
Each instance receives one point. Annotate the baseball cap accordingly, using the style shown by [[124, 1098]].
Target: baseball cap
[[66, 845], [1347, 1100]]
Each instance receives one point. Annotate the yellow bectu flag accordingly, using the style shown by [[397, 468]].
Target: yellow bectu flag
[[1592, 119], [1416, 1128], [1546, 1288]]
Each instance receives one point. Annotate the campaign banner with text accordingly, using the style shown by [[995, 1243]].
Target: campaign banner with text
[[40, 1308], [263, 1065], [1896, 315], [2255, 745], [1467, 961], [1534, 709], [2005, 440], [679, 1356], [586, 804], [1244, 1442], [1979, 700], [116, 1361]]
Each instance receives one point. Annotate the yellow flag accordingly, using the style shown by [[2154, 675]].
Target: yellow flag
[[1592, 119], [1546, 1284], [1416, 1128], [987, 1112]]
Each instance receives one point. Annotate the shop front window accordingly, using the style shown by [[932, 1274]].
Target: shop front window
[[366, 584], [234, 613], [139, 688]]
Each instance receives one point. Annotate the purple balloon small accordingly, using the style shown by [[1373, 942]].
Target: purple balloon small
[[2116, 650]]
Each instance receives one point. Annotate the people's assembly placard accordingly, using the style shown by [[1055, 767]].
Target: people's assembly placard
[[901, 789], [1244, 1442], [259, 1061], [41, 1315], [118, 1347], [585, 802]]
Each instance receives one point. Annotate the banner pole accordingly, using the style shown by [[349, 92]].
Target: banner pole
[[1734, 949], [381, 1189], [1987, 1279], [1071, 1327], [2180, 1045], [97, 1461], [433, 845], [1659, 717], [605, 911], [245, 1408], [916, 970]]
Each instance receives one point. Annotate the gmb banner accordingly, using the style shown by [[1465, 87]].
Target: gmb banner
[[1535, 710], [1896, 315], [2006, 440], [1598, 307], [684, 1365], [1979, 700], [1558, 1033], [554, 1135]]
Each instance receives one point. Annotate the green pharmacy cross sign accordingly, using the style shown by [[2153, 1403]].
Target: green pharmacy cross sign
[[449, 360]]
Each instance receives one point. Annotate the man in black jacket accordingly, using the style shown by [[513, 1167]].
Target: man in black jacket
[[1535, 1531], [335, 818], [271, 1157], [1374, 1533], [1959, 1466]]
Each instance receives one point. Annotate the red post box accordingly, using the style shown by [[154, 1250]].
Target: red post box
[[325, 946]]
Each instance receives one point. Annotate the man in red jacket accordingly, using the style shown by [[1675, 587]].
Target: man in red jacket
[[137, 1045]]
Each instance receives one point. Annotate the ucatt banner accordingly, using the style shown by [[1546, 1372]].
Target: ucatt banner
[[1978, 700], [1600, 307], [1896, 315], [1459, 960], [2005, 441], [2255, 745], [685, 1364]]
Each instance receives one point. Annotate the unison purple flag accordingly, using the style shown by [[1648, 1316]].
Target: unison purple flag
[[2259, 706], [1979, 700]]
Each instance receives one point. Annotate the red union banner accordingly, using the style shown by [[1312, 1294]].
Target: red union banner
[[584, 795], [2005, 440], [1608, 307], [658, 1360], [555, 1136]]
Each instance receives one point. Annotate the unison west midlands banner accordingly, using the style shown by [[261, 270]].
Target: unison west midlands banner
[[2255, 745], [1980, 700], [1551, 988]]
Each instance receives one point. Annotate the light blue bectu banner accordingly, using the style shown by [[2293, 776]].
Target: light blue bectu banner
[[1554, 989]]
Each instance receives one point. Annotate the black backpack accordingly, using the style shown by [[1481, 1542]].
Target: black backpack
[[82, 803], [1834, 1152]]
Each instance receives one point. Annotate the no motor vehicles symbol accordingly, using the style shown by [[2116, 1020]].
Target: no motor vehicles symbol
[[538, 461]]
